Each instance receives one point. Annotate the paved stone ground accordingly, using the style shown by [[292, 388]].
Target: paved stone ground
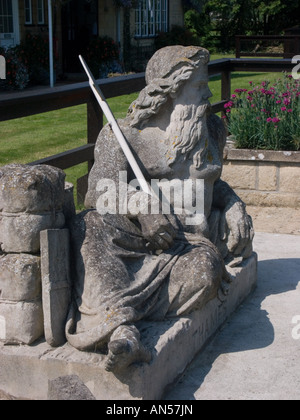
[[254, 356]]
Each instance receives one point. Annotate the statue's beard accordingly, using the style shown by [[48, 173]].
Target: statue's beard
[[187, 129]]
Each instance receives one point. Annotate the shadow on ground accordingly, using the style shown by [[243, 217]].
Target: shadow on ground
[[249, 328]]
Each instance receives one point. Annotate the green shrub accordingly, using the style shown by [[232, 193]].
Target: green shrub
[[176, 36], [266, 116], [102, 56], [17, 76], [34, 53]]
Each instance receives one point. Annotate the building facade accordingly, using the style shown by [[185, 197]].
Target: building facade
[[77, 22]]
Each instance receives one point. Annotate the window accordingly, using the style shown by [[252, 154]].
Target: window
[[6, 16], [28, 12], [151, 17], [40, 12]]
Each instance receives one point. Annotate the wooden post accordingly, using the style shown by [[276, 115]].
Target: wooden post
[[226, 86], [94, 122], [94, 126], [237, 47]]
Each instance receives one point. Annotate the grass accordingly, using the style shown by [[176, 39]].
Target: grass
[[32, 138]]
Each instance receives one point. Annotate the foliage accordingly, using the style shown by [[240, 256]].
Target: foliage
[[199, 24], [34, 53], [176, 36], [228, 18], [193, 4], [17, 76], [103, 56], [266, 116]]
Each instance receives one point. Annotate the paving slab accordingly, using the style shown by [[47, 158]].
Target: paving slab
[[256, 354]]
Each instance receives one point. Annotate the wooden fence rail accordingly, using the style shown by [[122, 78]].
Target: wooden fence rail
[[291, 45], [13, 106]]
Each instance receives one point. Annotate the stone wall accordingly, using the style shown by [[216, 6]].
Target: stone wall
[[32, 199], [263, 178]]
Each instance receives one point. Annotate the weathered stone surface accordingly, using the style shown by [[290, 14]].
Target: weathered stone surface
[[56, 283], [240, 175], [69, 209], [230, 153], [20, 277], [267, 177], [274, 176], [269, 199], [31, 189], [20, 322], [20, 233], [69, 388], [175, 343], [133, 265], [290, 179]]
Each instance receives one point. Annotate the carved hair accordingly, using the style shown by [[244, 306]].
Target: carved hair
[[166, 72]]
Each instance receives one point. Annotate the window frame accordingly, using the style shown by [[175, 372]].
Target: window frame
[[7, 19], [28, 9], [149, 21], [40, 9]]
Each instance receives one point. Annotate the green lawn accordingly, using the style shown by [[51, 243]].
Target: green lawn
[[31, 138]]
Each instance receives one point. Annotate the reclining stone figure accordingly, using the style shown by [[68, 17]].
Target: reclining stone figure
[[142, 266]]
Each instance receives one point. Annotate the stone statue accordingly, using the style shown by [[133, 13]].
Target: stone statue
[[134, 265]]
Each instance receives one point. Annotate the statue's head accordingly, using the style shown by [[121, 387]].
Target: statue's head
[[167, 71], [175, 60]]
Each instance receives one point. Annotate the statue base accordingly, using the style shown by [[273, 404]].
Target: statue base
[[26, 370]]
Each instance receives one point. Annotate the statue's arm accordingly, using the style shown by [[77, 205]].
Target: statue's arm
[[224, 195], [235, 227]]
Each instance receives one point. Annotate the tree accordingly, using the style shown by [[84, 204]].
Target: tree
[[247, 17]]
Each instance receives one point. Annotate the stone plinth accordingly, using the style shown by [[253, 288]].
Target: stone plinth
[[25, 371]]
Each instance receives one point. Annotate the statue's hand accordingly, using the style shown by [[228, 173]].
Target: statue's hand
[[158, 231], [236, 228]]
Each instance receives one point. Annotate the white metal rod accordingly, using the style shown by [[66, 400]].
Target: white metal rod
[[116, 129], [51, 65]]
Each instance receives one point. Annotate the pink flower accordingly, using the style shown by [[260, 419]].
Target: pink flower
[[283, 108], [228, 104], [269, 119], [233, 96], [278, 102], [240, 90], [289, 110], [275, 120]]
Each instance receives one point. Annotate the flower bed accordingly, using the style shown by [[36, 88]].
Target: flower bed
[[266, 116]]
